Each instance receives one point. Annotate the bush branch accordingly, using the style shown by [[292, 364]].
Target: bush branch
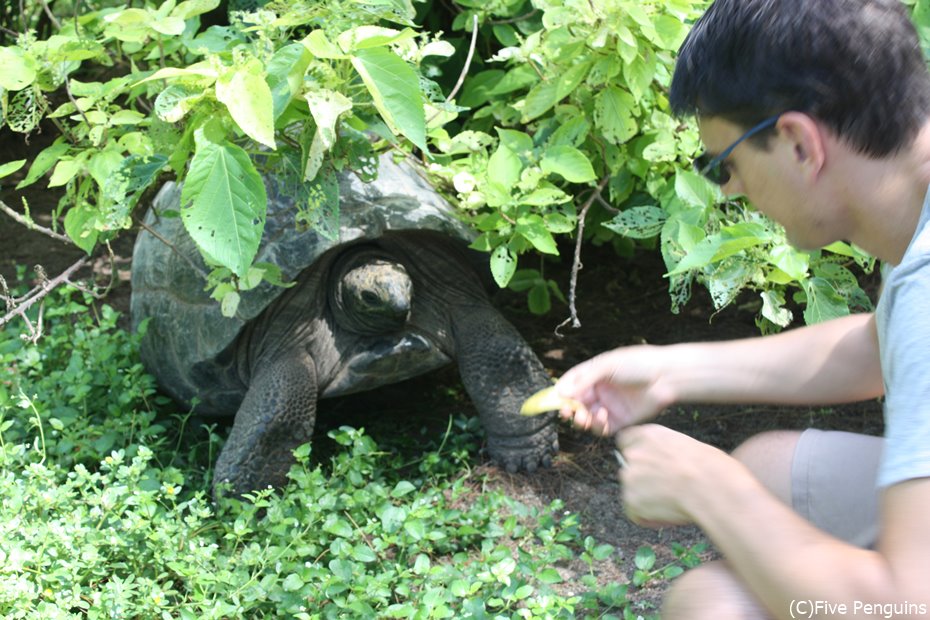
[[18, 307], [31, 225], [576, 261]]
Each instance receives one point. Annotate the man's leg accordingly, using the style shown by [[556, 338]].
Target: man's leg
[[827, 477]]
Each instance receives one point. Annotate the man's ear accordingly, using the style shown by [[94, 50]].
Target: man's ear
[[805, 135]]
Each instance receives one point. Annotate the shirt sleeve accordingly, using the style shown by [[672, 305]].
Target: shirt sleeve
[[905, 353]]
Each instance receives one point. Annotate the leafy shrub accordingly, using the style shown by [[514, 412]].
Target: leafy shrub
[[561, 127]]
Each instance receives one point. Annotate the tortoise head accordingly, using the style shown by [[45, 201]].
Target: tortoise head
[[371, 293]]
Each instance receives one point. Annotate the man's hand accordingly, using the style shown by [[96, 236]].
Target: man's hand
[[665, 470], [616, 389]]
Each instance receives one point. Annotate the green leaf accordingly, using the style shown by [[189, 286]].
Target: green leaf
[[292, 583], [613, 115], [823, 301], [545, 196], [533, 228], [321, 47], [364, 37], [550, 576], [572, 164], [645, 558], [198, 70], [571, 78], [504, 167], [403, 488], [65, 170], [602, 552], [337, 526], [517, 141], [638, 222], [17, 70], [44, 161], [671, 31], [79, 226], [10, 167], [246, 95], [223, 204], [699, 256], [694, 190], [540, 100], [538, 299], [175, 101], [395, 90], [560, 223], [790, 260], [503, 265], [192, 8], [363, 553], [285, 74]]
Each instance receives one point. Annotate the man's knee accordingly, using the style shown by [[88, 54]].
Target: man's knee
[[769, 456], [710, 591]]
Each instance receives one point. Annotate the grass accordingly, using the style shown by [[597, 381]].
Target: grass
[[104, 510]]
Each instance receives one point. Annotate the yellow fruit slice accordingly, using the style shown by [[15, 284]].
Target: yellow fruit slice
[[547, 400]]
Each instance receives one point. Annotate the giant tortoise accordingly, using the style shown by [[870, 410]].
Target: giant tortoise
[[395, 293]]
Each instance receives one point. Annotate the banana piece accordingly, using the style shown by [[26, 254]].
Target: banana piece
[[547, 400]]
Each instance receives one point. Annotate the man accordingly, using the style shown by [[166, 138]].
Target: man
[[818, 111]]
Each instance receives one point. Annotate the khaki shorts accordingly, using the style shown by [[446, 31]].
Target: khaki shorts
[[833, 483]]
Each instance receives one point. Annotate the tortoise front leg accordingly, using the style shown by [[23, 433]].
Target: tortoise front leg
[[276, 416], [499, 371]]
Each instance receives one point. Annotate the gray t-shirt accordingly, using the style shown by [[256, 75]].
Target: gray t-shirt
[[904, 344]]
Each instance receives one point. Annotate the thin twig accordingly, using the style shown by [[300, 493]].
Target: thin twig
[[173, 248], [28, 223], [609, 207], [51, 17], [468, 57], [40, 292], [74, 101], [576, 261]]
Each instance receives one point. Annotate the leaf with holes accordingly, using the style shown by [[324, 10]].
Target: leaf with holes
[[223, 204], [503, 265], [638, 222]]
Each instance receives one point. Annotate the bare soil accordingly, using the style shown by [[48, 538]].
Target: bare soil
[[621, 301]]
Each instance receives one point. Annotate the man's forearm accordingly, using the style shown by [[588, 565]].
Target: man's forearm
[[832, 362]]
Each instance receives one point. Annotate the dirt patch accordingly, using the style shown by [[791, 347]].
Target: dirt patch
[[621, 302]]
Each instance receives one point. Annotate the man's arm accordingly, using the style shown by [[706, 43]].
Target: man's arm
[[827, 363]]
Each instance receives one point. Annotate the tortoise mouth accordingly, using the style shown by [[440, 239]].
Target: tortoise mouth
[[382, 361]]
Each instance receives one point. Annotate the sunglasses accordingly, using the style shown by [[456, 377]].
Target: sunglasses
[[715, 169]]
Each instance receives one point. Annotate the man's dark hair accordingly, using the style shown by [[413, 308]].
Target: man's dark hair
[[855, 65]]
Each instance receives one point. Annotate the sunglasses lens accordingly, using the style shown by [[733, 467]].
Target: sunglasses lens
[[712, 169], [718, 173]]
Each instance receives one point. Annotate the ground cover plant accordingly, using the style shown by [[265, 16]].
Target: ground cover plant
[[104, 513]]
